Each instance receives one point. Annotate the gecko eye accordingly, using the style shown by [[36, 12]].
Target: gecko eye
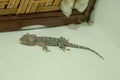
[[31, 39]]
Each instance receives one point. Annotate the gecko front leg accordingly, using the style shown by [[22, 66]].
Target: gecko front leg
[[44, 46]]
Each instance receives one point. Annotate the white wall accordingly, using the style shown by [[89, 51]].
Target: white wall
[[107, 18]]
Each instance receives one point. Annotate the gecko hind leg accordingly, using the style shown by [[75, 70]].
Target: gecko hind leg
[[62, 43], [44, 47], [63, 47]]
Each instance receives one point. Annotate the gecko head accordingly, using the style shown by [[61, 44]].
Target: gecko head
[[28, 39]]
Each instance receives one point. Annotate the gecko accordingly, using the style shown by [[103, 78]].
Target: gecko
[[44, 41]]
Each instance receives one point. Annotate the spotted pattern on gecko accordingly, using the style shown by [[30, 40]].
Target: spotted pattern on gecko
[[44, 41]]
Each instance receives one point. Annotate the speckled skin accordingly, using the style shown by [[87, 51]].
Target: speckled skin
[[43, 41]]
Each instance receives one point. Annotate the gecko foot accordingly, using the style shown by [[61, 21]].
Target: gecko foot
[[64, 49], [46, 49]]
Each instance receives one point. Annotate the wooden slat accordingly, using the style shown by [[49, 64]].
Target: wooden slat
[[40, 1], [2, 6], [3, 0], [16, 3], [20, 7], [50, 8], [7, 11], [41, 4], [56, 2], [30, 6], [3, 3], [11, 4], [48, 3], [34, 7], [23, 6]]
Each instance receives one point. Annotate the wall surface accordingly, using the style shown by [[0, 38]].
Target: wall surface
[[20, 62], [107, 18]]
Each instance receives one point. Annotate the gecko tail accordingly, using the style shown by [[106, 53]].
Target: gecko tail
[[82, 47], [86, 48]]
